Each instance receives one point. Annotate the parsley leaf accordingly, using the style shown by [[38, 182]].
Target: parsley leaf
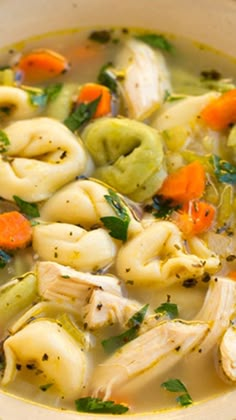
[[163, 206], [4, 258], [52, 91], [102, 37], [4, 141], [113, 343], [105, 79], [171, 309], [82, 114], [29, 209], [175, 385], [118, 226], [41, 97], [96, 405], [224, 171], [156, 41]]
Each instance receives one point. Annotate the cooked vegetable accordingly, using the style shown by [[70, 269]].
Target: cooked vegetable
[[15, 231], [106, 78], [186, 184], [91, 91], [221, 112], [171, 309], [4, 258], [118, 226], [102, 36], [195, 217], [29, 209], [96, 405], [155, 41], [83, 113], [175, 385], [224, 171], [4, 141]]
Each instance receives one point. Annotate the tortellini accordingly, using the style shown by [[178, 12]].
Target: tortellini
[[53, 351], [157, 257], [43, 155], [73, 246], [83, 203], [128, 154], [17, 101]]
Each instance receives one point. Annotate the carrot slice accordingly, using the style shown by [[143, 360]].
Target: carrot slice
[[186, 184], [232, 275], [195, 217], [15, 231], [42, 64], [91, 91], [221, 112]]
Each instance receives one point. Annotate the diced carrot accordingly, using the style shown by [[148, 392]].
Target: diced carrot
[[91, 91], [232, 275], [195, 217], [221, 112], [15, 230], [186, 184], [42, 64]]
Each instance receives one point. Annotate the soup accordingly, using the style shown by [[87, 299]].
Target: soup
[[117, 221]]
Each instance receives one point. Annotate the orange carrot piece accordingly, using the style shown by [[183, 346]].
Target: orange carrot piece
[[91, 91], [221, 112], [195, 217], [15, 231], [186, 184], [41, 65], [232, 275]]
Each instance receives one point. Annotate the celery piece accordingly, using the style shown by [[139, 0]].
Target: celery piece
[[231, 141], [61, 107], [7, 77], [226, 204], [16, 298], [72, 329]]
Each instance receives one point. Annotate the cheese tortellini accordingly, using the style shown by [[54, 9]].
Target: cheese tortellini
[[43, 155], [17, 102]]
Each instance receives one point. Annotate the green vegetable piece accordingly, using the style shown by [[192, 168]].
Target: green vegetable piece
[[104, 78], [224, 171], [45, 387], [16, 298], [82, 114], [52, 91], [171, 309], [118, 226], [113, 343], [128, 155], [4, 258], [60, 106], [175, 385], [29, 209], [96, 405], [4, 141], [163, 207], [102, 37], [156, 41]]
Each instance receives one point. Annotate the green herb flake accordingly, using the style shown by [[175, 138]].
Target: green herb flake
[[52, 91], [4, 141], [175, 385], [29, 209], [118, 226], [83, 113], [102, 37], [105, 79], [210, 75], [224, 171], [4, 258], [162, 207], [171, 309], [96, 405], [113, 343], [156, 41], [45, 387]]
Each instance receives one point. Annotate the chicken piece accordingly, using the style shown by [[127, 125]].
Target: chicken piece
[[106, 308], [146, 78], [147, 356], [53, 351], [228, 353], [217, 310], [66, 285], [158, 257]]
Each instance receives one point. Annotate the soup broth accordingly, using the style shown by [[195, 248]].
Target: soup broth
[[174, 270]]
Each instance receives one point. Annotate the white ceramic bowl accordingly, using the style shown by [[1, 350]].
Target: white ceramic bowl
[[212, 22]]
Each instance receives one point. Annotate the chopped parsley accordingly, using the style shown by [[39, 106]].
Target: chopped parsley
[[4, 141], [210, 75], [162, 207], [171, 309], [29, 209], [105, 79], [45, 387], [41, 97], [102, 37], [113, 343], [52, 91], [118, 226], [96, 405], [156, 41], [4, 258], [175, 385], [82, 114], [224, 171]]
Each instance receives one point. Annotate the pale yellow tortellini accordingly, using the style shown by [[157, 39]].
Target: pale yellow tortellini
[[158, 257], [83, 203], [53, 351], [73, 246], [43, 155], [128, 154], [18, 103]]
